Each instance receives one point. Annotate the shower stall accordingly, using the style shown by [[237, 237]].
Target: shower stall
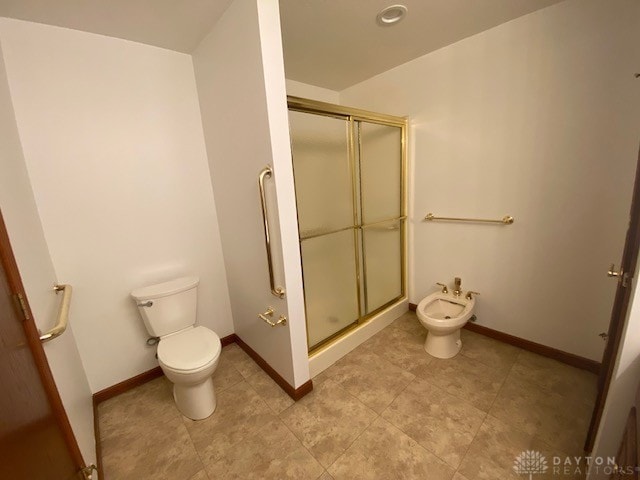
[[349, 170]]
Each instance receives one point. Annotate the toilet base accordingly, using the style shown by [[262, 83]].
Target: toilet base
[[443, 346], [195, 401]]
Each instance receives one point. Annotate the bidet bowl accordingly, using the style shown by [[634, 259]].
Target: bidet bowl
[[443, 315]]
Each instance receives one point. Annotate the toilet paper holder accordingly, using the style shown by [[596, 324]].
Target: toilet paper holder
[[266, 317]]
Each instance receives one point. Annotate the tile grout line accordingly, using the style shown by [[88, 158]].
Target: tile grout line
[[455, 469], [204, 467], [278, 417], [486, 415], [151, 421], [348, 446], [413, 439], [378, 415]]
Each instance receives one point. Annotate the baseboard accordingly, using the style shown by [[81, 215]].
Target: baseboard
[[295, 393], [96, 433], [229, 339], [559, 355], [126, 385]]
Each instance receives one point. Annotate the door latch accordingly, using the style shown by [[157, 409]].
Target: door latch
[[622, 276], [22, 304], [87, 472]]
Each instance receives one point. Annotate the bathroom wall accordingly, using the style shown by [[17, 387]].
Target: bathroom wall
[[113, 143], [38, 275], [241, 84], [536, 118], [304, 90], [623, 388]]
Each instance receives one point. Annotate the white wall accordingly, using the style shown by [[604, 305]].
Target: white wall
[[536, 118], [623, 388], [287, 226], [304, 90], [114, 147], [38, 275], [242, 97]]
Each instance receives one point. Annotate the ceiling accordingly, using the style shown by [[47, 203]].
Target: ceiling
[[327, 43], [337, 43], [174, 24]]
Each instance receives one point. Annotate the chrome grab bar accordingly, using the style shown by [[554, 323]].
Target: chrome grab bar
[[63, 314], [506, 220], [266, 173], [269, 313]]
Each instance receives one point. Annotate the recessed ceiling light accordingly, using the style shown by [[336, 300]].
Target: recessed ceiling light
[[391, 15]]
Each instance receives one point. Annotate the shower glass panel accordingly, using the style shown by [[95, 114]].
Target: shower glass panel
[[380, 171], [331, 296], [380, 162], [322, 170], [349, 178], [382, 253]]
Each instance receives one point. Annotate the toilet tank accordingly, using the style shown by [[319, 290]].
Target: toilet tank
[[173, 305]]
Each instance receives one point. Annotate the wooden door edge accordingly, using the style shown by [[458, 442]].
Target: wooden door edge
[[619, 313], [33, 340]]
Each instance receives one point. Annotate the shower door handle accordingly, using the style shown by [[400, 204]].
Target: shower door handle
[[267, 172]]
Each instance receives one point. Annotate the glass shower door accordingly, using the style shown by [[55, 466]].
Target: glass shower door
[[323, 174], [381, 204]]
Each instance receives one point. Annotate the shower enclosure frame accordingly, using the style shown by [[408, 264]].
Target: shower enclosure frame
[[353, 115]]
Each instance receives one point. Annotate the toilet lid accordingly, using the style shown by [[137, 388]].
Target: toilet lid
[[189, 350]]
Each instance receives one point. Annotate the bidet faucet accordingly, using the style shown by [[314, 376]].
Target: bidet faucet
[[457, 291], [444, 287]]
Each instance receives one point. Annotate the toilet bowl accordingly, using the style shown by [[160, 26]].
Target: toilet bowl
[[188, 359], [443, 315], [188, 354]]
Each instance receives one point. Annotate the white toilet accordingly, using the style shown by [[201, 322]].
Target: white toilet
[[188, 354], [443, 314]]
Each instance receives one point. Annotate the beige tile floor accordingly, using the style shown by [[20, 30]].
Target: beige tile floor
[[386, 410]]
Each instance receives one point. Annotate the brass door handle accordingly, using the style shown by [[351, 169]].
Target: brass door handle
[[63, 314]]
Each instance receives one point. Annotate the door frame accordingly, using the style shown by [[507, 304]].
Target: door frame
[[10, 266], [618, 312]]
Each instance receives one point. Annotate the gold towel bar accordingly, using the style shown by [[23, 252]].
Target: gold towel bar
[[506, 220], [63, 314]]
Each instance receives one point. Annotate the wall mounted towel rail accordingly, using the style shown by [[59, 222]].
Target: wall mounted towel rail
[[63, 314], [267, 172], [506, 220]]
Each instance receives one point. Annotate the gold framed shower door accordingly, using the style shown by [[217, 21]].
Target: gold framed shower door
[[355, 118]]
